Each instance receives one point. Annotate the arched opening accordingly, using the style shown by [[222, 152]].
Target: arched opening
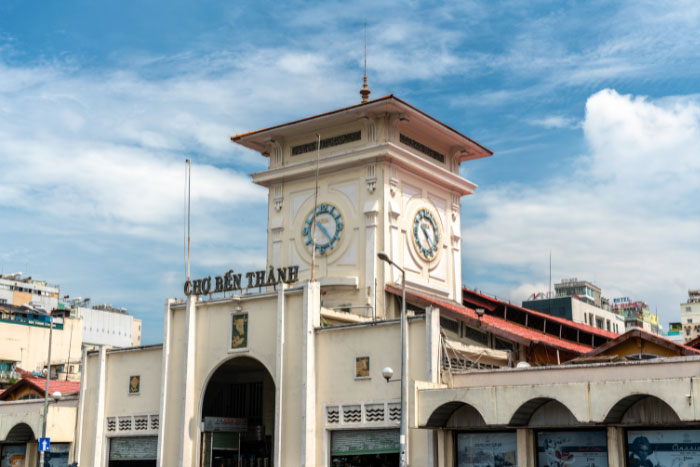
[[552, 414], [238, 415], [456, 415], [13, 449], [541, 412], [642, 409]]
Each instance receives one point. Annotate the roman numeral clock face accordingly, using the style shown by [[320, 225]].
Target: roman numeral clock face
[[325, 226], [426, 234]]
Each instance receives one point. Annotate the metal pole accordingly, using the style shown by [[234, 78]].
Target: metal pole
[[403, 431], [46, 392]]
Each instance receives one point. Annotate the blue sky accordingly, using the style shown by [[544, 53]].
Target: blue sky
[[592, 110]]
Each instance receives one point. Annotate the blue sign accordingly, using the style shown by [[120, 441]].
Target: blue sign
[[44, 444]]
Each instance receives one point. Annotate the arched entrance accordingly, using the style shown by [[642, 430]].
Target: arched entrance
[[13, 449], [238, 415]]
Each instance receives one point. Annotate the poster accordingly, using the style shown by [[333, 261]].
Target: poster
[[572, 448], [239, 331], [487, 449], [663, 448]]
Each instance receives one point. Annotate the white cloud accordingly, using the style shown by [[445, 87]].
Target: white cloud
[[555, 121], [625, 216]]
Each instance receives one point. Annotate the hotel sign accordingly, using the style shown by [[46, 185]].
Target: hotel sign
[[231, 281]]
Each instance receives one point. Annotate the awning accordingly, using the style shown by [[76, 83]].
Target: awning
[[477, 354]]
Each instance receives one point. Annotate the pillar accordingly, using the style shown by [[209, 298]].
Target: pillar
[[189, 422], [311, 319]]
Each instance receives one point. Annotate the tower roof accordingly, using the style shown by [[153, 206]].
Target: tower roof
[[464, 147]]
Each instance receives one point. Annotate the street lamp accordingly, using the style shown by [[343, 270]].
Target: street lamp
[[46, 392], [403, 429]]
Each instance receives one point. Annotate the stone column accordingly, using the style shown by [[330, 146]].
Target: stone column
[[616, 446], [526, 447]]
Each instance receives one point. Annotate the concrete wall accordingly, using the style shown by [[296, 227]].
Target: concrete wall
[[336, 351], [118, 404]]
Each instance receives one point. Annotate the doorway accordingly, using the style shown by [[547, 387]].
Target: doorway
[[238, 416]]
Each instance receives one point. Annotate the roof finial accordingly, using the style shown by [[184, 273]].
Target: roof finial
[[365, 92]]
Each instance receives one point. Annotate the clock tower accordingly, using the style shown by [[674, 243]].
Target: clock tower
[[378, 176]]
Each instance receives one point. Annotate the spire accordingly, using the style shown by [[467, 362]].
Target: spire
[[365, 91]]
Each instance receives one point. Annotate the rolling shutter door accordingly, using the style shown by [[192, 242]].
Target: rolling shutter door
[[136, 448], [358, 442]]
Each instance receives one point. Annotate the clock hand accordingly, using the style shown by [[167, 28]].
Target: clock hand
[[325, 232], [427, 236]]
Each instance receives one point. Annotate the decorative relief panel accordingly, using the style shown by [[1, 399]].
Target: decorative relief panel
[[277, 196], [371, 177]]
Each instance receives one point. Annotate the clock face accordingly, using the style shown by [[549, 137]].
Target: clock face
[[426, 234], [328, 223]]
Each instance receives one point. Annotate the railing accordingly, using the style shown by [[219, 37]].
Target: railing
[[6, 375]]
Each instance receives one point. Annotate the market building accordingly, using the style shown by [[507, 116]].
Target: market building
[[285, 365]]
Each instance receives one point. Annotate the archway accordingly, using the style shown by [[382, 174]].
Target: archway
[[238, 415], [642, 409], [456, 415], [14, 448]]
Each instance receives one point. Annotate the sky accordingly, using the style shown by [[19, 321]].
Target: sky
[[592, 110]]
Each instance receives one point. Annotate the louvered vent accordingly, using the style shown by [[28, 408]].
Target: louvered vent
[[141, 423], [111, 424], [154, 422], [124, 423], [374, 413], [332, 414], [352, 414], [394, 412]]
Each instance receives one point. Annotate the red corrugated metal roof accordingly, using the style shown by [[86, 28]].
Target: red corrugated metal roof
[[497, 325], [557, 319]]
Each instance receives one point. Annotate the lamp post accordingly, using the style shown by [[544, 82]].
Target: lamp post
[[46, 392], [403, 429]]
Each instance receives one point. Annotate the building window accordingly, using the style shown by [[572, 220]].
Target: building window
[[564, 447], [665, 447], [449, 325], [495, 448]]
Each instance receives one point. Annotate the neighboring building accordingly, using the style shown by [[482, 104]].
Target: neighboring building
[[24, 341], [580, 302], [29, 388], [583, 290], [17, 290], [690, 315], [21, 420], [637, 315], [675, 333], [106, 325]]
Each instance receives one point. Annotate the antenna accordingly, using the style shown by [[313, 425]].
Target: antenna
[[188, 177], [313, 231], [365, 91]]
